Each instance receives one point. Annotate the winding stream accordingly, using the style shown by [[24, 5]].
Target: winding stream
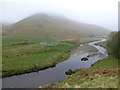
[[53, 75]]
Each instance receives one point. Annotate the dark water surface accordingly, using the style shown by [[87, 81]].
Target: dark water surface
[[53, 75]]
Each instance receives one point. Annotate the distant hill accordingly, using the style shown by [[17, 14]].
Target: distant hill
[[56, 27]]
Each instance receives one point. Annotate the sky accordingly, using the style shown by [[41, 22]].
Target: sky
[[99, 12]]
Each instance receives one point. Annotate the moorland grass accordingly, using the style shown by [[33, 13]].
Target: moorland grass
[[32, 57], [103, 74], [19, 57], [103, 44]]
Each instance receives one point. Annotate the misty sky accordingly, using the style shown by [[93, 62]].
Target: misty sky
[[99, 12]]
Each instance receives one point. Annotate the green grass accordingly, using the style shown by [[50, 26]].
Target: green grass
[[103, 74], [103, 44], [106, 63], [20, 59], [54, 27], [8, 40]]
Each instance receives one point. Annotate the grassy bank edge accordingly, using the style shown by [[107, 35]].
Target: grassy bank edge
[[101, 65], [59, 59], [89, 78]]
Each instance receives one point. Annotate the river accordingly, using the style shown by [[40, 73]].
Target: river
[[55, 74]]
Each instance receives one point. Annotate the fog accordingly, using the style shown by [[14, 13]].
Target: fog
[[99, 12]]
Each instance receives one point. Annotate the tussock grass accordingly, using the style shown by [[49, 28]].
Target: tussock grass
[[103, 74], [20, 59]]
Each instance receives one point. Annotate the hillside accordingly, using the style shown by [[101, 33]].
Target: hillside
[[54, 27], [102, 74]]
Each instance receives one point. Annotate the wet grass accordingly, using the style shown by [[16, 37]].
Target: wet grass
[[103, 74], [103, 44], [32, 57], [24, 58], [19, 56]]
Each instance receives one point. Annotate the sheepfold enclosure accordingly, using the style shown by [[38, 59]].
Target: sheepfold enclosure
[[50, 43]]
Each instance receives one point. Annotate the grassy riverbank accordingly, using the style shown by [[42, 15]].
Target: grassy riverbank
[[22, 58], [102, 74], [103, 44], [23, 54]]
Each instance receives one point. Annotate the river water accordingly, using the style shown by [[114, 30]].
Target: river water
[[55, 74]]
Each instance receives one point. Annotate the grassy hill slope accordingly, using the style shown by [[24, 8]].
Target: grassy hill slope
[[21, 49], [103, 74], [53, 27]]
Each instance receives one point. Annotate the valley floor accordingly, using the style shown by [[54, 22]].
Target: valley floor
[[102, 74], [22, 54]]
